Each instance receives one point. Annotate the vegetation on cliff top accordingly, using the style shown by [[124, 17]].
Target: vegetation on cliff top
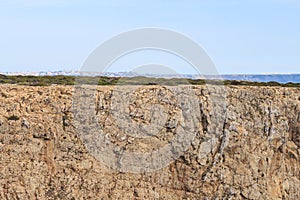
[[140, 80]]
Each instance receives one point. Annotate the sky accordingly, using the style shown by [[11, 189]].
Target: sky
[[241, 37]]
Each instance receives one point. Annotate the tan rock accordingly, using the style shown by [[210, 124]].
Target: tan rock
[[253, 153]]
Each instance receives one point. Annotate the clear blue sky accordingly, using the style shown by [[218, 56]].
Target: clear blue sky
[[257, 36]]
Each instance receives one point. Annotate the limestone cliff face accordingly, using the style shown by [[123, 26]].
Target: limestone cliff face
[[248, 150]]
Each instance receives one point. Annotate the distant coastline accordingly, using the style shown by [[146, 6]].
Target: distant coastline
[[136, 80], [280, 78]]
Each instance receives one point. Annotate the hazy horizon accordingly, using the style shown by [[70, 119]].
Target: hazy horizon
[[75, 70]]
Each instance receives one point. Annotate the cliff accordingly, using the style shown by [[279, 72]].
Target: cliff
[[245, 145]]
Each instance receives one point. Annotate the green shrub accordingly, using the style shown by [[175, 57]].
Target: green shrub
[[139, 80]]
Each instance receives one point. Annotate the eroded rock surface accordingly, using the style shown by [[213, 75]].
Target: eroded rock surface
[[251, 153]]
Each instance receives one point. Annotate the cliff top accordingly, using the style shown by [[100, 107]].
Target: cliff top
[[139, 80]]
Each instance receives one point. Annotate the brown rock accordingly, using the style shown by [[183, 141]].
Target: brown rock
[[253, 153]]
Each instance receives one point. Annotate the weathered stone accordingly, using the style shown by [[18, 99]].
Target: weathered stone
[[25, 123], [295, 133], [253, 153]]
